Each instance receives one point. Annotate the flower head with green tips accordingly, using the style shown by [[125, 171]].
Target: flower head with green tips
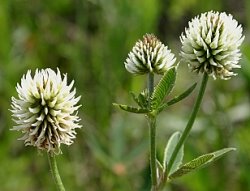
[[149, 55], [46, 110], [211, 44]]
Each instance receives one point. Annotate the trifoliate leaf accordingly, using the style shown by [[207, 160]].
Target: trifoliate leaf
[[163, 88], [169, 149], [131, 109], [199, 162]]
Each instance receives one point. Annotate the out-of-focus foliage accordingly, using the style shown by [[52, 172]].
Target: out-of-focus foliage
[[89, 40]]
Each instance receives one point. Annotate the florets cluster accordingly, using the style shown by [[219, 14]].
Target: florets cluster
[[211, 44], [46, 110]]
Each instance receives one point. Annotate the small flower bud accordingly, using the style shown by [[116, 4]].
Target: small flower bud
[[149, 55]]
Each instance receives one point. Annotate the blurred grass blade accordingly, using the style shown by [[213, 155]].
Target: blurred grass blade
[[199, 162], [135, 152], [163, 88], [131, 109], [99, 153], [172, 142]]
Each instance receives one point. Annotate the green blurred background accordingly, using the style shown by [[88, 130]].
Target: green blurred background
[[90, 40]]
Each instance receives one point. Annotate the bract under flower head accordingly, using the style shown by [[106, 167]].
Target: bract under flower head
[[211, 44], [45, 110], [149, 55]]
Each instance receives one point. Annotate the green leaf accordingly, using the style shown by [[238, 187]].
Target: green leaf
[[135, 98], [141, 99], [131, 109], [160, 170], [199, 162], [169, 149], [177, 98], [163, 88], [182, 96]]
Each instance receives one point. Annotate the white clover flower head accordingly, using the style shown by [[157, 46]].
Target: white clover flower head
[[211, 44], [45, 110], [149, 55]]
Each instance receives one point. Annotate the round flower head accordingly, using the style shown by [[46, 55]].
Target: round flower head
[[211, 44], [45, 110], [149, 55]]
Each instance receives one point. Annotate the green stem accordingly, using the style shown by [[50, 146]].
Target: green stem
[[150, 86], [153, 153], [152, 126], [55, 173], [190, 122]]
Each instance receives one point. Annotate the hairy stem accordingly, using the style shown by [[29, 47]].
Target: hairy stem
[[55, 173], [152, 127], [190, 122], [150, 87], [153, 152]]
